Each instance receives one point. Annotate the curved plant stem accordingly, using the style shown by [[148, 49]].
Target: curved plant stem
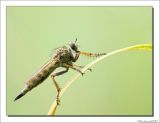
[[148, 47]]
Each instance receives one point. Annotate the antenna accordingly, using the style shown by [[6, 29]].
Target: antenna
[[76, 40]]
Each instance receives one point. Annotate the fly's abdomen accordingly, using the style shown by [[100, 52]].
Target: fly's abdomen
[[38, 78]]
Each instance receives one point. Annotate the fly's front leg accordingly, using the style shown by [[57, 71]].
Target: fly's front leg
[[82, 67], [92, 54], [73, 67], [56, 84]]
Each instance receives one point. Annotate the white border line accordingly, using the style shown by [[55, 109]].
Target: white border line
[[80, 3], [5, 118]]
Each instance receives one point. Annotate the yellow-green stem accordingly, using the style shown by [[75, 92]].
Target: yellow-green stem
[[54, 106]]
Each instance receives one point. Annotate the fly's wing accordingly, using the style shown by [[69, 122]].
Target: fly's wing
[[56, 50], [53, 51]]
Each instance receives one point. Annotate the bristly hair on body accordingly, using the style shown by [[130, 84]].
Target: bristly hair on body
[[65, 57]]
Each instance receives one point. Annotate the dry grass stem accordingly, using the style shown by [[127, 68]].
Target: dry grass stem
[[148, 47]]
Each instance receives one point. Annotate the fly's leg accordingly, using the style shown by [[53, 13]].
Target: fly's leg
[[74, 59], [82, 67], [73, 67], [53, 75], [92, 54], [58, 90]]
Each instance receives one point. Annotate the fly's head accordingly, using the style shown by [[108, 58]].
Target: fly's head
[[73, 46], [74, 50]]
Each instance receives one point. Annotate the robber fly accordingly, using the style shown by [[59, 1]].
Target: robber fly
[[63, 57]]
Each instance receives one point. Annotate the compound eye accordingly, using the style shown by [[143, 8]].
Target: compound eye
[[73, 46]]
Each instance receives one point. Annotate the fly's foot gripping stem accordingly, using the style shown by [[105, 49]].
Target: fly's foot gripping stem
[[56, 84], [58, 98], [82, 67], [72, 66], [90, 69], [57, 88]]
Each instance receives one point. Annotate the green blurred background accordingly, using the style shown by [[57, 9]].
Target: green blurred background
[[118, 85]]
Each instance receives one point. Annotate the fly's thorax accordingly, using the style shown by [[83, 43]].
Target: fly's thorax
[[63, 55]]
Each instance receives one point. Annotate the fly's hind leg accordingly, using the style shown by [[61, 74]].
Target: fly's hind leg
[[53, 75]]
